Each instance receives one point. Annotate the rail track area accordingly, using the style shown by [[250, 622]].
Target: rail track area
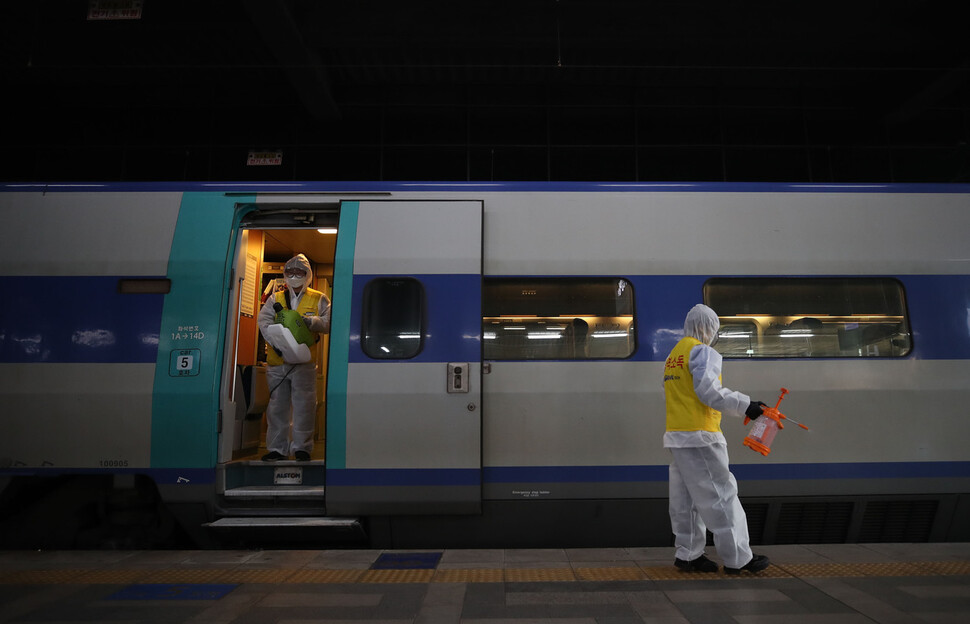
[[806, 584]]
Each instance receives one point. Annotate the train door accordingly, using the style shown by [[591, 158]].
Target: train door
[[268, 235], [404, 391]]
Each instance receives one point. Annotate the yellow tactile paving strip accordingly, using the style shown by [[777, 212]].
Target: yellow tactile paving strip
[[103, 577], [538, 575], [670, 573], [39, 577], [325, 576], [397, 576], [470, 575], [257, 576], [949, 568], [855, 569], [205, 575], [610, 574]]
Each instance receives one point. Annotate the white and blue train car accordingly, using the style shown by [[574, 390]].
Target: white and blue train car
[[493, 374]]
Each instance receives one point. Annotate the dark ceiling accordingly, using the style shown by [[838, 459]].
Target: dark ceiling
[[849, 91]]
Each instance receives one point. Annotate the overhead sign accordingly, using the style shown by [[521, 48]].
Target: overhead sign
[[257, 159], [114, 9]]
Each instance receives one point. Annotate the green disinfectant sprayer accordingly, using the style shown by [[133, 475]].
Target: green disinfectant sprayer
[[292, 320], [766, 426], [290, 336]]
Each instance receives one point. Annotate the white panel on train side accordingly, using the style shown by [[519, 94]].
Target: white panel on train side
[[423, 416], [710, 233], [87, 233], [574, 414], [612, 413], [398, 238], [91, 414], [857, 410], [87, 423]]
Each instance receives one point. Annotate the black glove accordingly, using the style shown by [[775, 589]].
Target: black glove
[[755, 409]]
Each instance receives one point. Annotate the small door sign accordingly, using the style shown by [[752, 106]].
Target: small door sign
[[184, 362]]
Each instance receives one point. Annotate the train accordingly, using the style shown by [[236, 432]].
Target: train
[[493, 372]]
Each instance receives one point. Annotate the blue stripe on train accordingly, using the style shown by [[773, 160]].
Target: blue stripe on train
[[753, 472], [77, 320], [99, 325], [363, 477], [403, 476], [626, 474], [938, 306]]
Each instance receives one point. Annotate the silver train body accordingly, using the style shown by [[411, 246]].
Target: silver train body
[[493, 376]]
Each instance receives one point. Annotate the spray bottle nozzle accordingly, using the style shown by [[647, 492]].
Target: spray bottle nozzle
[[278, 306]]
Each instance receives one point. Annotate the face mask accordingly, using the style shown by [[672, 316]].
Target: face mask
[[295, 282]]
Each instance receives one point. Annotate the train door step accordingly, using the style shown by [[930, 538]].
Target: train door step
[[273, 491], [286, 522], [258, 479]]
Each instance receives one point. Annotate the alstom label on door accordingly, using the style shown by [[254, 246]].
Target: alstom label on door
[[288, 476]]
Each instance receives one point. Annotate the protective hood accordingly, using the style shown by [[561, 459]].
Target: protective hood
[[702, 323], [299, 261]]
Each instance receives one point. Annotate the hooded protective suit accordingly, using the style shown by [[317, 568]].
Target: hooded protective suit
[[704, 371], [292, 384], [703, 492]]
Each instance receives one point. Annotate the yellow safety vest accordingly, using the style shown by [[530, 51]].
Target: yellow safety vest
[[685, 412], [309, 305]]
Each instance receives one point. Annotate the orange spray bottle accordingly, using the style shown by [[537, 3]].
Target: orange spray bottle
[[766, 426]]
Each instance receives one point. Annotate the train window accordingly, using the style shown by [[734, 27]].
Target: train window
[[809, 317], [392, 318], [558, 318]]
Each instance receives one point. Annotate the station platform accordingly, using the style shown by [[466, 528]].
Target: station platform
[[807, 584]]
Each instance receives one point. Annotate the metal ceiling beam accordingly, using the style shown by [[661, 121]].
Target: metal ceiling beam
[[303, 67], [948, 82]]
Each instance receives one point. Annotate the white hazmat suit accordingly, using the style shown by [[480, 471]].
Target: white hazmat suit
[[293, 384], [703, 492]]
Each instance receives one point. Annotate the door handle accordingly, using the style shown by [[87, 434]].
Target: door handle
[[458, 377]]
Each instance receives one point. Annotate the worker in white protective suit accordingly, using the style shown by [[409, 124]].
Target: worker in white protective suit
[[703, 492], [292, 381]]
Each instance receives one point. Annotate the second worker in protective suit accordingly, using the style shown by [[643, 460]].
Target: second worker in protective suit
[[288, 382], [703, 492]]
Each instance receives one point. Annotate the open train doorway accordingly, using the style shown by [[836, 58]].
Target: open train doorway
[[268, 236], [281, 501], [398, 377]]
